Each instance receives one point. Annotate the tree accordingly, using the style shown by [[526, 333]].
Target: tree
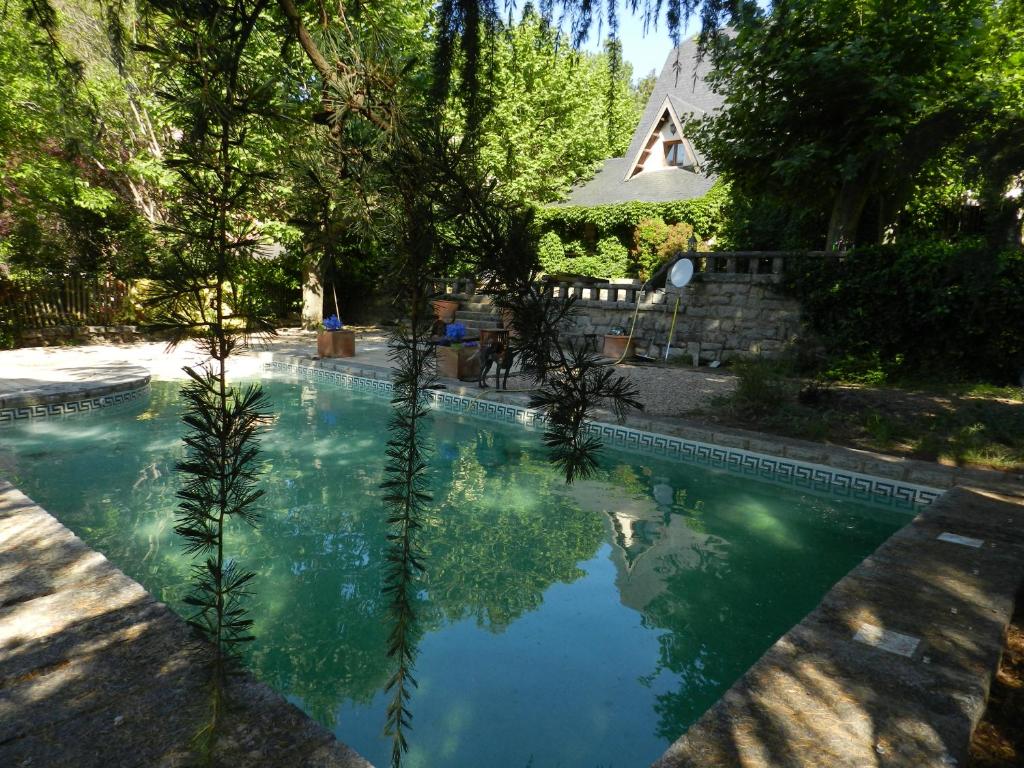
[[555, 115], [838, 105], [79, 187], [218, 89]]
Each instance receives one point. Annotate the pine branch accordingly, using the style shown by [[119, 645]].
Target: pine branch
[[404, 498]]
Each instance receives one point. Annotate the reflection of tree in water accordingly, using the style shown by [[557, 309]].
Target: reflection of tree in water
[[493, 552], [495, 563], [324, 636]]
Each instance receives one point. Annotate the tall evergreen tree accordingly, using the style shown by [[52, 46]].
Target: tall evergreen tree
[[218, 93]]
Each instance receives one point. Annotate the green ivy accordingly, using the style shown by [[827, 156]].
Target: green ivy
[[601, 240], [572, 222]]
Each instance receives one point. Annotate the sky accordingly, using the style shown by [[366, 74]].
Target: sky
[[644, 53]]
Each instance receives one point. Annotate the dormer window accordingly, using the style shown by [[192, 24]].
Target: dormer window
[[675, 153]]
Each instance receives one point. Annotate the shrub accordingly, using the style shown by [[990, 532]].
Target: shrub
[[551, 252], [677, 241], [762, 386], [648, 238], [613, 258], [917, 308]]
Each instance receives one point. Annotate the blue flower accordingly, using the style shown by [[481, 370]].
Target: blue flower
[[332, 323]]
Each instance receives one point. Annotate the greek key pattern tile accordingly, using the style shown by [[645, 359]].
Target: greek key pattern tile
[[71, 407], [348, 380], [782, 471]]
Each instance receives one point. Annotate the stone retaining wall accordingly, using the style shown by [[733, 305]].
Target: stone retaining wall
[[721, 316], [80, 334]]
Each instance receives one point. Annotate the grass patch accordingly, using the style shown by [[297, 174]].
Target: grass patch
[[957, 423]]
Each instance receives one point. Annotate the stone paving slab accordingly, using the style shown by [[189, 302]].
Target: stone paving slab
[[95, 672], [820, 696]]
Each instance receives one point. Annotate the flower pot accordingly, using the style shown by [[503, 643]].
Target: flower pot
[[445, 310], [615, 346], [458, 362], [336, 343]]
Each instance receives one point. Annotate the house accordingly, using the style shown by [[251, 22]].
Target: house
[[661, 164]]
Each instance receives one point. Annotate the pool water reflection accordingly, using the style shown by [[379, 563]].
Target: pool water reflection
[[558, 626]]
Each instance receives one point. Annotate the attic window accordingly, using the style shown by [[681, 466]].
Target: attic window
[[675, 154]]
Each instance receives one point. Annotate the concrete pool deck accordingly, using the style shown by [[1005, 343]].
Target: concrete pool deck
[[891, 669]]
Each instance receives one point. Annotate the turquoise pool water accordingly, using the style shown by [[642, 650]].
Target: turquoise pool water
[[561, 626]]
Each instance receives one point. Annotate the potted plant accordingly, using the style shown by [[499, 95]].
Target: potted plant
[[459, 359], [445, 309], [335, 340]]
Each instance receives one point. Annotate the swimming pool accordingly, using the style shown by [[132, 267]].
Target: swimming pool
[[560, 626]]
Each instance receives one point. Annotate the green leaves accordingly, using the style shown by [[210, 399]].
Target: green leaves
[[916, 307], [404, 498], [555, 113], [832, 108], [569, 398]]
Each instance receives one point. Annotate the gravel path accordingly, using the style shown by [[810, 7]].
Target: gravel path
[[674, 391]]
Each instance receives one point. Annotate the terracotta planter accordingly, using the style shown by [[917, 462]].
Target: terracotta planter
[[614, 346], [445, 310], [336, 343], [458, 362]]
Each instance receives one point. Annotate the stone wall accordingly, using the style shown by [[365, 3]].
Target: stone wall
[[77, 334], [721, 316]]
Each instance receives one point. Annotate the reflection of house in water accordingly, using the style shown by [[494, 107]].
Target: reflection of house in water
[[650, 543]]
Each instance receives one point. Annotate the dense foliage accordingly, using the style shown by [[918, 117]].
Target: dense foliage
[[627, 239], [938, 308], [556, 113], [836, 112], [79, 180]]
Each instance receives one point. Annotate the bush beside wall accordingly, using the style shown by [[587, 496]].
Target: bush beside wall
[[918, 307]]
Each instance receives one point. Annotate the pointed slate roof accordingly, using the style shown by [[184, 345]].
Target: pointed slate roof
[[681, 87]]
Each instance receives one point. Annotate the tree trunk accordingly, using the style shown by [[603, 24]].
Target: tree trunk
[[846, 213], [312, 297]]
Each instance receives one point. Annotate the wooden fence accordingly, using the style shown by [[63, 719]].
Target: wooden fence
[[70, 300]]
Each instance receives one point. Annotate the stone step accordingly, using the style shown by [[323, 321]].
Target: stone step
[[463, 314], [477, 324]]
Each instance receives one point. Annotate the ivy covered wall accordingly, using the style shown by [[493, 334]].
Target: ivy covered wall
[[602, 241]]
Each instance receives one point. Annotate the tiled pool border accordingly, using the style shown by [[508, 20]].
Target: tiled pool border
[[784, 471], [81, 400]]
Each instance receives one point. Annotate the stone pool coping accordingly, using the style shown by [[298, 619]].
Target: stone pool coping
[[72, 397], [893, 668], [94, 671]]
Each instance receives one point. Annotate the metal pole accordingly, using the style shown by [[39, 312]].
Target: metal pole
[[672, 330]]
